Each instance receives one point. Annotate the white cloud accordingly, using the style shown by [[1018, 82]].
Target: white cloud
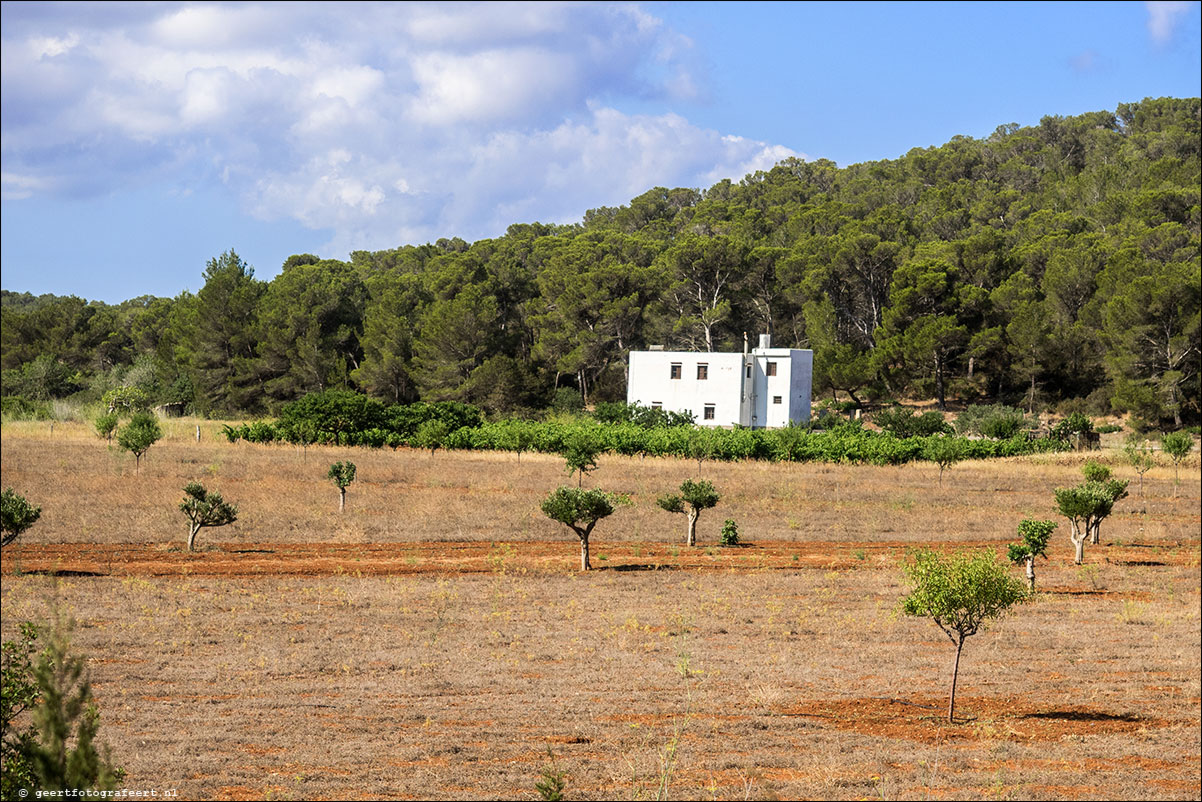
[[1163, 17], [384, 123]]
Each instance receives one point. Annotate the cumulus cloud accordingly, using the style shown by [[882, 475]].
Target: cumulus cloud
[[384, 123], [1163, 17]]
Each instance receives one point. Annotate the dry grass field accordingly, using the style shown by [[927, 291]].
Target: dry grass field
[[436, 641]]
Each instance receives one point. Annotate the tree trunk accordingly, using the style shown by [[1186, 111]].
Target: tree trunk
[[1095, 532], [341, 499], [584, 563], [1031, 573], [692, 539], [193, 529], [1079, 545], [951, 702]]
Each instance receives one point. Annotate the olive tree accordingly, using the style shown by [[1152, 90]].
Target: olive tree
[[945, 451], [580, 510], [1034, 544], [698, 496], [1086, 506], [342, 474], [960, 593], [205, 509], [16, 515], [139, 435], [1177, 445], [580, 455]]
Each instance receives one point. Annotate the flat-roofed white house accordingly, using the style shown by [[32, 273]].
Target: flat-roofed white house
[[761, 388]]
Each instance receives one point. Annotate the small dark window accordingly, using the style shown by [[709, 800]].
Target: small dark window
[[703, 372], [749, 371], [770, 369], [776, 399], [708, 414], [656, 405], [675, 370]]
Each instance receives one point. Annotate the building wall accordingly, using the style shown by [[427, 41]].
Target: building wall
[[738, 386]]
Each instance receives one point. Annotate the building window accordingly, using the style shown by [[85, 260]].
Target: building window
[[770, 369], [776, 399], [749, 371], [708, 414], [703, 372], [656, 405], [675, 370]]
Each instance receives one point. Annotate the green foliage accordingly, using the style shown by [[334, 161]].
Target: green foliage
[[580, 454], [105, 424], [1177, 445], [904, 422], [567, 400], [203, 509], [699, 496], [1094, 471], [66, 719], [1073, 427], [616, 412], [125, 401], [139, 435], [342, 473], [333, 414], [580, 510], [19, 693], [1034, 543], [553, 782], [16, 515], [961, 593], [730, 533], [15, 407], [431, 434], [992, 420], [945, 452]]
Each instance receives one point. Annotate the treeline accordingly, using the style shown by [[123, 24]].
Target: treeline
[[1053, 266]]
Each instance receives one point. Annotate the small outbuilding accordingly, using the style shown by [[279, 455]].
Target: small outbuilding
[[764, 387]]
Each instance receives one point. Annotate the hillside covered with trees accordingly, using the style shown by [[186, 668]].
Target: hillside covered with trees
[[1053, 266]]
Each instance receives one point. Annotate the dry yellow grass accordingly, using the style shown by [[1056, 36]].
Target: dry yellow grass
[[722, 684]]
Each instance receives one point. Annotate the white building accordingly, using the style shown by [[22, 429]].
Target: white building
[[764, 387]]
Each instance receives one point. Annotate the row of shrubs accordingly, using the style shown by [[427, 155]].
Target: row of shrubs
[[448, 425]]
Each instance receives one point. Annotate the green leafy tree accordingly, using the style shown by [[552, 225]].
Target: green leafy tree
[[580, 455], [223, 336], [1086, 506], [730, 533], [580, 510], [960, 593], [1177, 445], [16, 515], [139, 435], [106, 425], [1139, 456], [698, 496], [125, 401], [944, 451], [19, 693], [66, 719], [1034, 544], [431, 434], [205, 509], [342, 474]]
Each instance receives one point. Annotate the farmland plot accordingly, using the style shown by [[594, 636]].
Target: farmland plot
[[435, 640]]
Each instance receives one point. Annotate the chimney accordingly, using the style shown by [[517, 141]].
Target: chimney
[[765, 341], [744, 343]]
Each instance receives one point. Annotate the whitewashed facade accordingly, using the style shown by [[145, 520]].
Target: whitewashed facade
[[765, 387]]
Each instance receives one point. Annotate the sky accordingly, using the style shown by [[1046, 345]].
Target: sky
[[140, 140]]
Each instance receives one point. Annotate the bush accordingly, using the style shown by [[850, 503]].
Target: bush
[[16, 407], [730, 533], [16, 515], [903, 422], [997, 421]]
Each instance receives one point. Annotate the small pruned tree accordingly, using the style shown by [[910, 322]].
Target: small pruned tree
[[431, 434], [106, 424], [580, 455], [205, 509], [1094, 471], [1086, 506], [1177, 445], [139, 435], [125, 401], [580, 510], [1034, 544], [960, 593], [1139, 457], [16, 515], [944, 451], [698, 496], [342, 474]]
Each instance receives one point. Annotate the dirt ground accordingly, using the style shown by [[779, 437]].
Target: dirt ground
[[299, 654]]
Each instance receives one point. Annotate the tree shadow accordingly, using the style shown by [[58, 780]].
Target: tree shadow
[[1082, 715]]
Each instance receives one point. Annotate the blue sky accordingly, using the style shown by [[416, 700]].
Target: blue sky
[[141, 140]]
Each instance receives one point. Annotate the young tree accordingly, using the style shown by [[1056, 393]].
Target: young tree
[[944, 451], [1086, 506], [1139, 455], [1177, 445], [342, 474], [16, 515], [139, 435], [1034, 544], [580, 453], [106, 424], [960, 593], [205, 509], [431, 434], [66, 719], [580, 510], [699, 496]]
